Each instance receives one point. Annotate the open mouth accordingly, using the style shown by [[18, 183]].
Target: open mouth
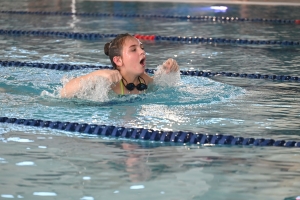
[[143, 62]]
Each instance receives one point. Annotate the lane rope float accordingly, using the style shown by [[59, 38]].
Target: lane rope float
[[158, 16], [177, 39], [68, 67], [150, 134]]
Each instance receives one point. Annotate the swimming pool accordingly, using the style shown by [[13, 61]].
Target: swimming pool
[[39, 162]]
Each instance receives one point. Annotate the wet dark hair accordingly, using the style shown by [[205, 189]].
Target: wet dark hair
[[115, 47]]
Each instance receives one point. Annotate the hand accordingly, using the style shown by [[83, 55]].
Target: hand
[[170, 65], [113, 76]]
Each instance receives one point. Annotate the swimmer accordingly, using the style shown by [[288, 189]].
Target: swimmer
[[128, 58]]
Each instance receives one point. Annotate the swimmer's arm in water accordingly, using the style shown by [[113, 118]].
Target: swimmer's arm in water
[[73, 86], [167, 74], [170, 65]]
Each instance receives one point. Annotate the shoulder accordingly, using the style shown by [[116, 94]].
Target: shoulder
[[147, 78]]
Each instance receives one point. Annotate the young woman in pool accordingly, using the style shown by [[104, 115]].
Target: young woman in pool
[[128, 76]]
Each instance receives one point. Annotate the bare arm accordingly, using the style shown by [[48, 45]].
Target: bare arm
[[167, 74], [170, 65], [74, 85]]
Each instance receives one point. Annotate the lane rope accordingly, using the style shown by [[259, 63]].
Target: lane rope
[[178, 39], [68, 67], [150, 134], [158, 16]]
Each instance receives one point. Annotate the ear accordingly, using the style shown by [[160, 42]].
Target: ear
[[118, 61]]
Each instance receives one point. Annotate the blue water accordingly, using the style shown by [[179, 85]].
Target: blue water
[[53, 164]]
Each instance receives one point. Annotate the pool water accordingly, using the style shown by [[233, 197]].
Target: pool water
[[39, 162]]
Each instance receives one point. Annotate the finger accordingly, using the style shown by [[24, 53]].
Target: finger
[[119, 76], [110, 79], [114, 77], [167, 62], [175, 68]]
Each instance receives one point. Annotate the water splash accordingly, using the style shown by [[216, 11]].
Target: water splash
[[162, 78]]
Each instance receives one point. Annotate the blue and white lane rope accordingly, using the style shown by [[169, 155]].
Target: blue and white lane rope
[[158, 16], [177, 39], [68, 67], [151, 135]]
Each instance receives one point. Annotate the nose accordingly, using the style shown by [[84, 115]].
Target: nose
[[143, 52]]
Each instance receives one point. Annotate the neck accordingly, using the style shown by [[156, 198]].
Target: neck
[[131, 78]]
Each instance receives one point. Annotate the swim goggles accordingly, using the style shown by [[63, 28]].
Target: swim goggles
[[140, 87]]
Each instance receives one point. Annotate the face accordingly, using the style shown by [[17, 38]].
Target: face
[[133, 57]]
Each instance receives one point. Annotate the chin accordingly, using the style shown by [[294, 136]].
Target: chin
[[141, 73], [141, 70]]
